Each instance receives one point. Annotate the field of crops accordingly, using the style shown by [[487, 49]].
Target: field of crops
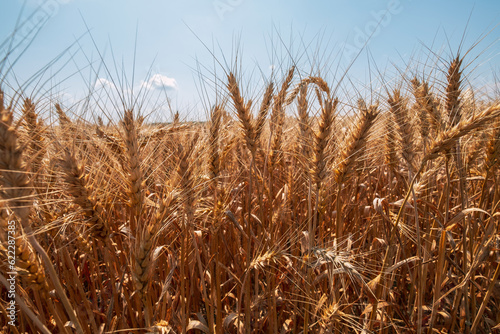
[[291, 210]]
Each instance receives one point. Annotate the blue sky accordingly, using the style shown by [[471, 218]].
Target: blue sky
[[177, 41]]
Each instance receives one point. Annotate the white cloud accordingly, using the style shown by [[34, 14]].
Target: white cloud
[[159, 81], [66, 98], [103, 83]]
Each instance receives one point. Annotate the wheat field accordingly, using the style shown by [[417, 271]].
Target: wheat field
[[292, 211]]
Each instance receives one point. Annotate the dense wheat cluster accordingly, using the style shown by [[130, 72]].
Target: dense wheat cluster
[[291, 212]]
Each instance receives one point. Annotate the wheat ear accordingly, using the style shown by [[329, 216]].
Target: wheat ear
[[63, 118], [321, 140], [492, 156], [453, 91], [13, 176], [36, 135], [244, 114], [400, 111], [318, 81], [135, 176], [421, 102], [83, 195], [26, 260], [304, 123], [356, 142], [278, 119], [390, 144], [213, 142], [264, 110]]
